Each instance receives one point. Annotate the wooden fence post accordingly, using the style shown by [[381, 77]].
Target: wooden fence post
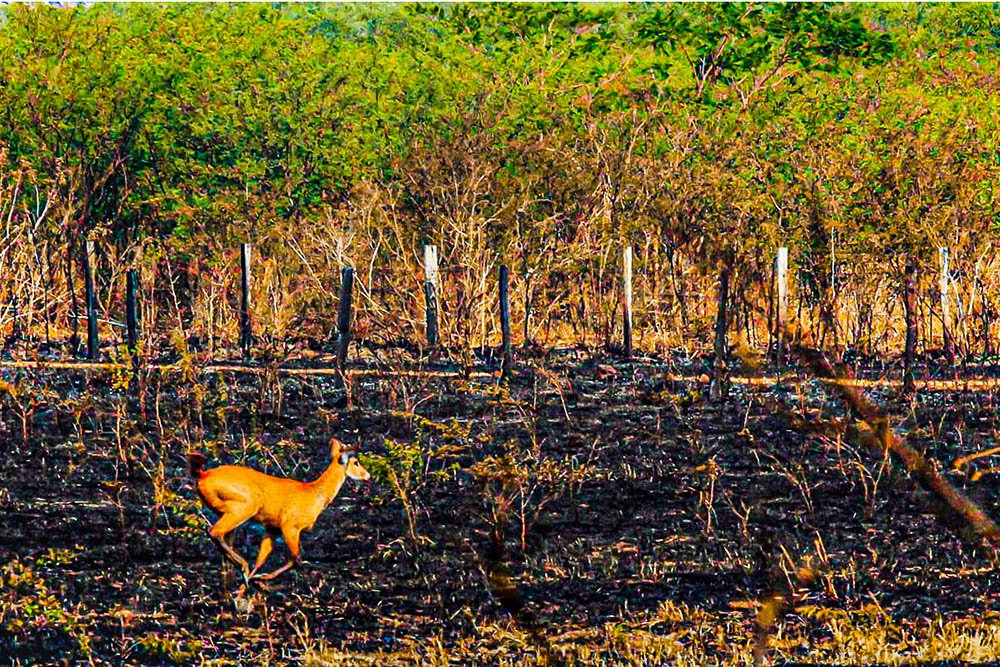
[[910, 309], [947, 341], [132, 314], [344, 317], [246, 333], [74, 339], [720, 376], [508, 361], [526, 343], [15, 314], [627, 288], [781, 319], [431, 292], [90, 276], [829, 308]]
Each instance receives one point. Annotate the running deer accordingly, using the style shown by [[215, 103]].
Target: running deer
[[285, 507]]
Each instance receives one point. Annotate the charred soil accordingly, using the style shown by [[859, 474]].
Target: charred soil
[[519, 524]]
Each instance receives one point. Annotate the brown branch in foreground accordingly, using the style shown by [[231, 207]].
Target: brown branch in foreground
[[777, 603], [880, 438], [505, 591], [877, 435]]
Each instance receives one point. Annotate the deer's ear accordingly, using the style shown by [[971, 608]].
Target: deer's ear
[[336, 446]]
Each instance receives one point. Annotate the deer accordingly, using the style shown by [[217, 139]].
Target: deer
[[285, 507]]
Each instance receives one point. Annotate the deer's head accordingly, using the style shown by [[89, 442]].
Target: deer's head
[[348, 457]]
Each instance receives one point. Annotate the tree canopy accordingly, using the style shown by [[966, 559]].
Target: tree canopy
[[702, 131]]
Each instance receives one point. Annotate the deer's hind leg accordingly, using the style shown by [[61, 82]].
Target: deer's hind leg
[[221, 533], [227, 564]]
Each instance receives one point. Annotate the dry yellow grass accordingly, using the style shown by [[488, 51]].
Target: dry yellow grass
[[681, 635]]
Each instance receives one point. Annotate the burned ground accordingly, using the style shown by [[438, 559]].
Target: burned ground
[[613, 498]]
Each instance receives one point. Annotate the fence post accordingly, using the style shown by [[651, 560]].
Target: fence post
[[132, 314], [15, 313], [246, 333], [947, 341], [90, 271], [830, 307], [344, 317], [910, 308], [431, 292], [508, 361], [781, 319], [74, 339], [627, 287], [720, 376], [526, 343]]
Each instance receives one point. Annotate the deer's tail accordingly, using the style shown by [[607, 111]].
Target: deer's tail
[[196, 465]]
